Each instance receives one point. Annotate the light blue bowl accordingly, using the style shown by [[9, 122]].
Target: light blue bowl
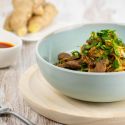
[[96, 87]]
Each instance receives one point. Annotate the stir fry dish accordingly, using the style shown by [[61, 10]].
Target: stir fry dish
[[104, 51]]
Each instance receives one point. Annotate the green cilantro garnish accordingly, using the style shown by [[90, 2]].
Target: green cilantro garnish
[[104, 51], [115, 64], [76, 54]]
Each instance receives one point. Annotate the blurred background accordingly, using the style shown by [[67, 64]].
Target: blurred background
[[81, 10]]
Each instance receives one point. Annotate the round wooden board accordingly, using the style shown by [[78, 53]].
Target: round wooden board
[[44, 99]]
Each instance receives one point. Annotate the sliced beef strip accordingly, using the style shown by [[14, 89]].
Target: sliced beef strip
[[63, 65], [74, 64], [101, 66], [89, 41], [63, 56]]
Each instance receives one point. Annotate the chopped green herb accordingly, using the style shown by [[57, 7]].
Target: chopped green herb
[[85, 52], [87, 46], [76, 54], [115, 64], [104, 51], [116, 51], [99, 44], [84, 67], [119, 42]]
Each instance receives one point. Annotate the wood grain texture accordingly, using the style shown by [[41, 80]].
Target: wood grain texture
[[9, 93], [43, 98]]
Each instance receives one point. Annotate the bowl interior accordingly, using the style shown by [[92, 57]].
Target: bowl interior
[[71, 39]]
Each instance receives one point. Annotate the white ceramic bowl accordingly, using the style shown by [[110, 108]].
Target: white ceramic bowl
[[8, 56], [88, 86]]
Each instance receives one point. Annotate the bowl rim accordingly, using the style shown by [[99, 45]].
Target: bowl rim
[[70, 27]]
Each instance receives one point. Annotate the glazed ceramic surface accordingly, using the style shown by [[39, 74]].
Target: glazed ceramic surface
[[9, 56], [96, 87]]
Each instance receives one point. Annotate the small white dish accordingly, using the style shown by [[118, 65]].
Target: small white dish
[[8, 56], [34, 37]]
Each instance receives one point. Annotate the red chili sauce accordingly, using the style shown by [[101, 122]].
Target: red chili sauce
[[6, 45]]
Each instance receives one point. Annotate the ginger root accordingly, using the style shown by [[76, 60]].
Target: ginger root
[[38, 22], [38, 7], [29, 16], [7, 23], [19, 17], [38, 10]]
